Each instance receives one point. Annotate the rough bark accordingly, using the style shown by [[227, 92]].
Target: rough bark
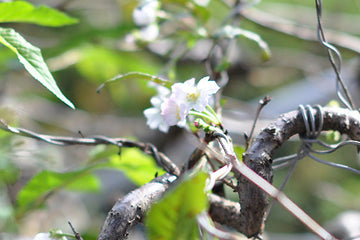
[[258, 157], [131, 209]]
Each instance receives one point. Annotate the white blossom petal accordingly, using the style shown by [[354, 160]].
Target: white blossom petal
[[153, 114], [42, 236], [174, 113], [155, 120], [209, 87], [195, 97], [202, 3], [145, 14], [149, 33]]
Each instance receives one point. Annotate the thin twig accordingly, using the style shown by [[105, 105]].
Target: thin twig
[[261, 104], [148, 148], [304, 32], [77, 235]]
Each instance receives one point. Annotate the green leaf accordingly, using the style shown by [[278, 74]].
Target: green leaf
[[232, 32], [239, 150], [21, 11], [42, 185], [30, 56], [223, 66], [138, 76], [201, 12], [174, 216], [333, 136], [136, 165]]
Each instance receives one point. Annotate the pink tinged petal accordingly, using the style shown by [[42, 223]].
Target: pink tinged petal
[[183, 113], [173, 113], [178, 92]]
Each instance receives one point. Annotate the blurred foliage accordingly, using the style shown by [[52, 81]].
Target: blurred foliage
[[21, 11]]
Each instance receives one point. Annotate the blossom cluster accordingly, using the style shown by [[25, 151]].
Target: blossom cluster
[[144, 16], [170, 108]]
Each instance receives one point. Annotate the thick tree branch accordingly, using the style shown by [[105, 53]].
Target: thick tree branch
[[258, 157], [131, 209]]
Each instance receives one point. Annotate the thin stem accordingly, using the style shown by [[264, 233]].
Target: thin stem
[[213, 113], [261, 104], [148, 148], [203, 115]]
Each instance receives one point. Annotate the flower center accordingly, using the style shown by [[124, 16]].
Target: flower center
[[193, 95]]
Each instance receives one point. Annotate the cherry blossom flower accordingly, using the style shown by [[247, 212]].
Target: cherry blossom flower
[[42, 236], [153, 114], [148, 33], [194, 96], [48, 236], [170, 109], [174, 113], [202, 3], [144, 16], [145, 13]]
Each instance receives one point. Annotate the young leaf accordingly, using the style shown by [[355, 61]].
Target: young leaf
[[137, 76], [174, 216], [41, 186], [137, 166], [30, 56], [232, 32], [239, 150], [21, 11]]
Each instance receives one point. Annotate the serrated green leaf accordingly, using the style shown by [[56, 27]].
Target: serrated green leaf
[[138, 76], [174, 216], [137, 166], [42, 185], [30, 56], [21, 11], [233, 32]]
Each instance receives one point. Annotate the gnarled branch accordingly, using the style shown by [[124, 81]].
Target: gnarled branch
[[131, 209], [258, 157]]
